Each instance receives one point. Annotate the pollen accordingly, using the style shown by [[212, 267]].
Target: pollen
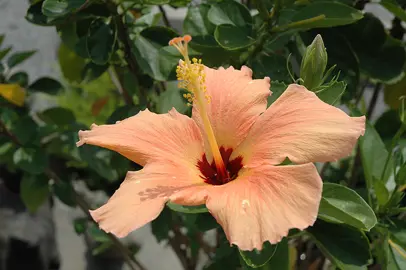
[[190, 73]]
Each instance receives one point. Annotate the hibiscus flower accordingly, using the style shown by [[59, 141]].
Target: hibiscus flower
[[227, 155]]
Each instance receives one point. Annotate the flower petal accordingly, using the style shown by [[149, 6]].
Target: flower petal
[[301, 127], [143, 194], [148, 136], [265, 202], [235, 103]]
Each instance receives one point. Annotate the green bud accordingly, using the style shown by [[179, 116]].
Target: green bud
[[314, 64]]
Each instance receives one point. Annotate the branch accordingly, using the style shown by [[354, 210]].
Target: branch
[[164, 16], [9, 134], [374, 99]]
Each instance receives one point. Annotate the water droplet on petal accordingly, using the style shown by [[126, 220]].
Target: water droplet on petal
[[245, 203], [138, 181], [173, 177]]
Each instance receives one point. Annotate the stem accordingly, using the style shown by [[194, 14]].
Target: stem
[[357, 162], [83, 205], [9, 134], [116, 81], [275, 10], [298, 23], [374, 100], [361, 93], [164, 16], [394, 142]]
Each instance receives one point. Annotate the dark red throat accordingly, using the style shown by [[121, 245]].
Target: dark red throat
[[212, 176]]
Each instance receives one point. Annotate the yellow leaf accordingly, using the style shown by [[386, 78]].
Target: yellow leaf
[[13, 93]]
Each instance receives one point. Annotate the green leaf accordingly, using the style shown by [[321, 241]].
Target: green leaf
[[122, 113], [230, 12], [381, 192], [258, 258], [196, 21], [340, 204], [156, 2], [20, 78], [46, 85], [65, 193], [339, 244], [187, 209], [396, 256], [59, 8], [146, 51], [34, 15], [394, 8], [18, 58], [385, 65], [270, 65], [97, 161], [71, 64], [332, 92], [1, 39], [98, 235], [161, 226], [277, 89], [4, 52], [34, 191], [172, 98], [101, 248], [58, 116], [335, 14], [280, 260], [80, 225], [24, 129], [100, 41], [233, 37], [31, 160], [401, 176], [373, 155]]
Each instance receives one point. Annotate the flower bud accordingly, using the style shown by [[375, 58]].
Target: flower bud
[[314, 64]]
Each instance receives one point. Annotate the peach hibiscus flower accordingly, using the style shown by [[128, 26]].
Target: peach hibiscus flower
[[227, 155]]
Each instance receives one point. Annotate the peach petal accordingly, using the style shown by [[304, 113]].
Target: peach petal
[[235, 103], [301, 127], [265, 202], [143, 194], [148, 136]]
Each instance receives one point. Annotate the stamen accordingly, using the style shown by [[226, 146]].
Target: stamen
[[191, 76]]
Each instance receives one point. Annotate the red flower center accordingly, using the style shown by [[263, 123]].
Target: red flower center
[[209, 171]]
